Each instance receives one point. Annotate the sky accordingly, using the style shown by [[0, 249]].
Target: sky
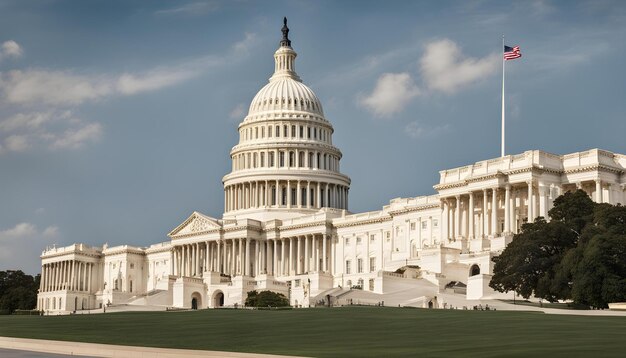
[[117, 117]]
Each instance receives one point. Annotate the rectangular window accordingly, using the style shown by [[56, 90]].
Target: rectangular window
[[269, 131], [308, 132], [348, 267], [412, 226], [293, 131], [277, 131], [285, 131], [301, 132], [297, 283], [359, 265], [262, 132], [347, 241], [372, 264], [358, 240], [424, 225], [435, 223], [371, 284], [282, 159], [262, 160]]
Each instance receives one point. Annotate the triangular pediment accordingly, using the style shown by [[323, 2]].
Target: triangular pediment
[[195, 224]]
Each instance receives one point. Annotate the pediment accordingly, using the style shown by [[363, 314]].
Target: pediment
[[195, 224]]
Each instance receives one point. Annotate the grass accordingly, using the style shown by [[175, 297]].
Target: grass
[[340, 332]]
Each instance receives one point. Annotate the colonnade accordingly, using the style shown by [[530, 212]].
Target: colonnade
[[285, 158], [251, 257], [70, 275], [285, 193], [493, 211]]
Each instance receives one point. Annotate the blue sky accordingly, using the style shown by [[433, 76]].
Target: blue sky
[[117, 117]]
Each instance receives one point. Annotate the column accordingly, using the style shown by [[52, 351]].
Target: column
[[494, 212], [277, 196], [306, 254], [291, 256], [219, 256], [470, 217], [298, 194], [324, 263], [598, 191], [507, 209], [172, 262], [318, 203], [288, 194], [457, 218], [308, 194], [485, 218], [90, 266], [298, 249], [247, 258], [316, 254], [530, 205], [444, 224], [275, 258], [282, 258], [513, 222]]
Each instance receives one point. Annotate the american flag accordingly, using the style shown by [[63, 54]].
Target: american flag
[[511, 53]]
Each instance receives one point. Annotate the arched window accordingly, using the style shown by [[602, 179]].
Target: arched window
[[291, 159], [319, 157], [300, 159], [474, 270], [271, 159], [262, 160], [262, 132], [277, 131], [269, 131], [285, 131], [284, 196], [281, 159], [310, 160], [293, 131]]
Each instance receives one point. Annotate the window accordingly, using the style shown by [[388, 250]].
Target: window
[[282, 159], [293, 131], [262, 160], [347, 241], [315, 133], [277, 131], [435, 222], [424, 225], [388, 234], [372, 264], [271, 159], [301, 132], [284, 196], [372, 238], [348, 267], [358, 240], [262, 132], [308, 132], [371, 284], [285, 131], [359, 265], [297, 283], [412, 226], [349, 283], [293, 196], [256, 133], [292, 159], [269, 131]]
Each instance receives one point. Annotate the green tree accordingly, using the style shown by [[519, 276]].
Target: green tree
[[18, 290], [266, 299]]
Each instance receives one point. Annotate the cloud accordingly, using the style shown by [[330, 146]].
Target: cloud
[[21, 245], [10, 49], [193, 8], [244, 45], [445, 68], [415, 130], [76, 138], [392, 93], [238, 112], [131, 84], [52, 129]]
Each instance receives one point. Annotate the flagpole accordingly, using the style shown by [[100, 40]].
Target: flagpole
[[503, 132]]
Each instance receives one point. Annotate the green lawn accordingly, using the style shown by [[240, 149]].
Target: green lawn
[[340, 332]]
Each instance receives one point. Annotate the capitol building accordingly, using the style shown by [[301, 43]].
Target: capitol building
[[287, 225]]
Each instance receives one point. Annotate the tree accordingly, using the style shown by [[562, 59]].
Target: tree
[[266, 299], [18, 290], [579, 255]]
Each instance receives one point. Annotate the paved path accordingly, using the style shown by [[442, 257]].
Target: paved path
[[13, 353], [60, 348]]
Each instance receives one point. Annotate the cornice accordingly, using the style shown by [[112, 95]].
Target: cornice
[[414, 209], [364, 222]]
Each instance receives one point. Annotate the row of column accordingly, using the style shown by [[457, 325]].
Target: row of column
[[286, 193], [71, 275], [460, 219], [251, 257], [286, 159]]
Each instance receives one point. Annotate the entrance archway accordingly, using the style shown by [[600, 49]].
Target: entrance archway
[[474, 270], [196, 301], [218, 299]]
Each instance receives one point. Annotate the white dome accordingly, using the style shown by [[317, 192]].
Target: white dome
[[285, 94]]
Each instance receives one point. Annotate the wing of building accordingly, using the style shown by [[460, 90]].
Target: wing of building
[[287, 227]]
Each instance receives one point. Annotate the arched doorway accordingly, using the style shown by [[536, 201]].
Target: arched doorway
[[474, 270], [196, 301], [218, 299]]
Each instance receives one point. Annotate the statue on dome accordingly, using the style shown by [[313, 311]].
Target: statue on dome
[[285, 41]]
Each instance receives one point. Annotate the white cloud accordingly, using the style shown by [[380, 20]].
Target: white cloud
[[194, 8], [415, 130], [238, 112], [76, 138], [16, 143], [18, 231], [10, 49], [445, 68], [392, 93], [20, 246], [244, 45], [131, 84]]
